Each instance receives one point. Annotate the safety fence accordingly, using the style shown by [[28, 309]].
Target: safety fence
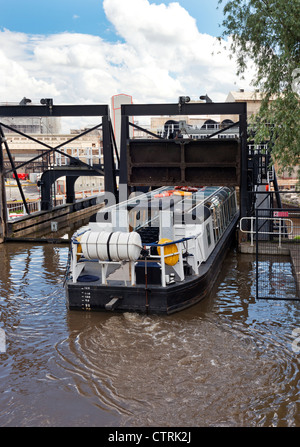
[[277, 241]]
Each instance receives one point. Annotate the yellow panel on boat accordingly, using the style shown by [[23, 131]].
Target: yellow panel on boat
[[169, 250]]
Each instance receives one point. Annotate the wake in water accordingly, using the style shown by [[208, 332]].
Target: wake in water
[[228, 361]]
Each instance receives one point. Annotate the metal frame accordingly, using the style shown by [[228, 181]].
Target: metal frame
[[50, 110], [278, 285]]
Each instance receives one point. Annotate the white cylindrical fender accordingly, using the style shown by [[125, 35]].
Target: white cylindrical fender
[[115, 246]]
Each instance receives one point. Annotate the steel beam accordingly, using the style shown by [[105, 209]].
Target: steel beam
[[3, 139], [50, 148], [221, 108], [53, 110], [108, 156]]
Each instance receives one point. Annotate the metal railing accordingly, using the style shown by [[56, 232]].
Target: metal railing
[[282, 228], [278, 254], [17, 209], [77, 260], [179, 244]]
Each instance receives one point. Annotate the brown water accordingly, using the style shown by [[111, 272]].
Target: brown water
[[228, 361]]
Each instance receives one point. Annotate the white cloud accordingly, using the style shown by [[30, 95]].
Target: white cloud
[[161, 55], [16, 81]]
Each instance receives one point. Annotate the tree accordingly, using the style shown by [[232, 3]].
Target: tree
[[267, 33]]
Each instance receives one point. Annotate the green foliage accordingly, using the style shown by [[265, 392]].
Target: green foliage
[[266, 33]]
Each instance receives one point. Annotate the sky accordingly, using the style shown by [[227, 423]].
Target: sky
[[88, 17], [84, 52]]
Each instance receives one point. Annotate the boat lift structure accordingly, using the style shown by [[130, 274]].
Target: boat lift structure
[[143, 163], [155, 162], [76, 167]]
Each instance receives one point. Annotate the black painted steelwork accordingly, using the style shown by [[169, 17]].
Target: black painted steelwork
[[50, 148], [48, 109], [183, 108], [3, 140], [184, 162]]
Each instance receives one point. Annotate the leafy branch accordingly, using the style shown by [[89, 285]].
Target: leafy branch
[[266, 33]]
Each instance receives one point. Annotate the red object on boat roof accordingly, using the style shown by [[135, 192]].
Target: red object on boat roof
[[22, 176]]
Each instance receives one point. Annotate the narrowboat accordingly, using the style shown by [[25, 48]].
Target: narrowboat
[[157, 252]]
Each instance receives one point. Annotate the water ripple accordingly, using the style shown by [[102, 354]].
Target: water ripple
[[225, 362]]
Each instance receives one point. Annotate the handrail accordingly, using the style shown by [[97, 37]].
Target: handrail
[[162, 255], [252, 231]]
